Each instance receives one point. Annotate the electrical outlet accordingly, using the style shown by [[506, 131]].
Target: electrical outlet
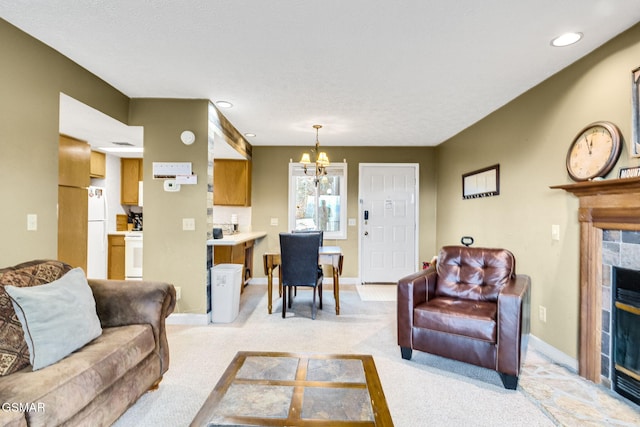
[[178, 292], [542, 314], [274, 221]]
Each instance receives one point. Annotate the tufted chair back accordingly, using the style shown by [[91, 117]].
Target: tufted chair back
[[477, 274]]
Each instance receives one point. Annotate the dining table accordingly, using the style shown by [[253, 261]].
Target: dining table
[[328, 255]]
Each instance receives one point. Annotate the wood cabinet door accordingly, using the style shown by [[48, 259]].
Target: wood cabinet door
[[98, 165], [115, 263], [73, 222], [231, 182], [74, 162], [130, 175]]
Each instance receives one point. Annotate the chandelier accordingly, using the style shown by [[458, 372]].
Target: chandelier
[[321, 160]]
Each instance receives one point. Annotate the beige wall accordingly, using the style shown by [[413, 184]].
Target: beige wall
[[270, 194], [31, 78], [171, 254], [529, 138]]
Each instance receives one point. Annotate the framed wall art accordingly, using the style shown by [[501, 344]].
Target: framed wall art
[[634, 145], [481, 183], [631, 172]]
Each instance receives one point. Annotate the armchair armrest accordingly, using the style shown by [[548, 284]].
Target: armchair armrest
[[122, 302], [514, 314], [413, 290]]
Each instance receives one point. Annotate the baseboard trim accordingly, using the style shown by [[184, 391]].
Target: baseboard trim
[[187, 319], [553, 353]]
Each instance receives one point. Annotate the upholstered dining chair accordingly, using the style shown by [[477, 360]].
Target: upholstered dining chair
[[320, 232], [470, 306], [299, 266]]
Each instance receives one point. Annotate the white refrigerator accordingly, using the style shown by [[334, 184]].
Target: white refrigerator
[[97, 234]]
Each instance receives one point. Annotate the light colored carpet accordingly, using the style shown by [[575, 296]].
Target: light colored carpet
[[377, 292], [428, 390]]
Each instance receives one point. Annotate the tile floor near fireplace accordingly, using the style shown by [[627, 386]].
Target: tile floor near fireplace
[[621, 254]]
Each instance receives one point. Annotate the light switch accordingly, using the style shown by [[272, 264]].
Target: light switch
[[188, 224], [32, 222], [555, 232], [274, 221], [352, 222]]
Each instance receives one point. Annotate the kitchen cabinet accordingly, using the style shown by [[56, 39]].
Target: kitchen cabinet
[[97, 165], [73, 179], [130, 176], [74, 162], [241, 253], [73, 220], [115, 257], [231, 182]]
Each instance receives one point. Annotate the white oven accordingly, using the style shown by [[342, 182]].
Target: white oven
[[133, 256]]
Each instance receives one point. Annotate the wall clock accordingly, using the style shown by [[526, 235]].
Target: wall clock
[[594, 151]]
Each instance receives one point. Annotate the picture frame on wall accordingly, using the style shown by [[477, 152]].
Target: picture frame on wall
[[483, 182], [630, 172], [634, 145]]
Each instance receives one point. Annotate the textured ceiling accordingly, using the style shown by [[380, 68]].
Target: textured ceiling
[[372, 72]]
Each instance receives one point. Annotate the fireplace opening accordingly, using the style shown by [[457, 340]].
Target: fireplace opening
[[626, 333]]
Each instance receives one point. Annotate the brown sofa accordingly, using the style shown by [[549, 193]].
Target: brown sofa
[[470, 306], [94, 385]]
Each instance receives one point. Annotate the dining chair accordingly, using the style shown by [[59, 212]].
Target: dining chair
[[321, 233], [299, 266]]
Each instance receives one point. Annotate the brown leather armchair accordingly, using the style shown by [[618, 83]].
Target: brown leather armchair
[[470, 306]]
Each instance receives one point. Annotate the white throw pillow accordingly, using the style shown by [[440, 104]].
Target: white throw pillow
[[57, 318]]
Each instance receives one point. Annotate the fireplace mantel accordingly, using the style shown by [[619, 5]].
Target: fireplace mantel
[[612, 204]]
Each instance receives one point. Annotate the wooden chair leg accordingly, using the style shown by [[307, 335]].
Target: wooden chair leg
[[155, 385]]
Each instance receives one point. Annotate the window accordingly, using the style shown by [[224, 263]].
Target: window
[[321, 207]]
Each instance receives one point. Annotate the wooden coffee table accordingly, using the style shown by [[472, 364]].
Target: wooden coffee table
[[288, 389]]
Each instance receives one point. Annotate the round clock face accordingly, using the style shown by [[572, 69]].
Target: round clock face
[[594, 151]]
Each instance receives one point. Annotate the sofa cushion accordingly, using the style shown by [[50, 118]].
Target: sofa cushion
[[66, 387], [472, 319], [473, 273], [14, 352], [57, 317]]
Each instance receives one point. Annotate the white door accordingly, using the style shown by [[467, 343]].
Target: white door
[[388, 195]]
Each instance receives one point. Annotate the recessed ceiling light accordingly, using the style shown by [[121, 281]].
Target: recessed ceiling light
[[250, 135], [224, 104], [566, 39]]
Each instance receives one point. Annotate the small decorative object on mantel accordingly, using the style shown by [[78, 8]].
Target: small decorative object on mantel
[[634, 146], [633, 172], [481, 183], [594, 151]]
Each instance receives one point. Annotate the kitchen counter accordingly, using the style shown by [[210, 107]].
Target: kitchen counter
[[236, 239], [124, 233]]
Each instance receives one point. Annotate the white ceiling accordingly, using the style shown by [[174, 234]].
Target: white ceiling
[[372, 72]]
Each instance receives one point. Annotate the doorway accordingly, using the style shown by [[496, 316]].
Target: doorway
[[388, 231]]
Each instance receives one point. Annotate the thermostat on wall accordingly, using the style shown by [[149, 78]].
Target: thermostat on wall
[[171, 185]]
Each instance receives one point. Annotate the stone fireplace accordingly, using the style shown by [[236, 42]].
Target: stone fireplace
[[609, 210]]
